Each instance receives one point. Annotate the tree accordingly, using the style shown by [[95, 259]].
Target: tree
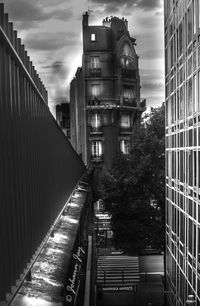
[[134, 188]]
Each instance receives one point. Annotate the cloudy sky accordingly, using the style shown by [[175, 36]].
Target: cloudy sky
[[51, 32]]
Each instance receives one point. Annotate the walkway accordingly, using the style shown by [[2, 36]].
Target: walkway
[[130, 281], [117, 279], [117, 273]]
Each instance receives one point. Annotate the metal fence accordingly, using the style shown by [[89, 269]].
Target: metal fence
[[38, 167]]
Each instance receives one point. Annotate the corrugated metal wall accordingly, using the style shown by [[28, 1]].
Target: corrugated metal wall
[[38, 167]]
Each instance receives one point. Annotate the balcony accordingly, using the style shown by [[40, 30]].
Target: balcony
[[96, 159], [126, 130], [95, 72], [96, 130], [129, 73], [129, 102], [102, 102]]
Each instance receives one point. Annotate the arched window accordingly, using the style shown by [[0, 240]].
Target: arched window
[[126, 56], [126, 50]]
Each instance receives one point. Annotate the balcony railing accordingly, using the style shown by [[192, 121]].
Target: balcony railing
[[129, 102], [128, 73], [96, 159], [110, 102], [95, 72], [96, 130], [102, 101], [125, 129]]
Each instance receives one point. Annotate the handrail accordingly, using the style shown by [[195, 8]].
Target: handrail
[[49, 233]]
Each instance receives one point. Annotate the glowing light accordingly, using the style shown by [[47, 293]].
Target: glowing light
[[32, 301], [76, 195], [50, 251], [73, 205], [59, 237], [71, 220], [56, 284]]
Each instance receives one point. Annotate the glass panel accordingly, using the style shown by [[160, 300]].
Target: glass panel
[[96, 148], [93, 37], [94, 61], [95, 120], [190, 96], [189, 24], [95, 88], [125, 121], [125, 146]]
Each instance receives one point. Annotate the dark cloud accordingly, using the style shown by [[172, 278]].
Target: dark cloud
[[151, 53], [152, 86], [50, 41], [28, 13], [56, 73], [57, 68], [111, 6]]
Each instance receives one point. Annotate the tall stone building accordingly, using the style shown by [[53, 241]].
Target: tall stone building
[[182, 59], [63, 117], [105, 93]]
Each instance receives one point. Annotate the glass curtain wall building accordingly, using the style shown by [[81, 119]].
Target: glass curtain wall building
[[182, 79]]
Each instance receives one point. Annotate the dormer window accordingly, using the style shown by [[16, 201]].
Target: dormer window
[[126, 57], [93, 37], [126, 50]]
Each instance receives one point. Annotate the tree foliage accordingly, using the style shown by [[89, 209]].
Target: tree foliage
[[132, 182]]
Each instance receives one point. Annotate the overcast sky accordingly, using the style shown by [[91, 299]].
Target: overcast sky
[[52, 33]]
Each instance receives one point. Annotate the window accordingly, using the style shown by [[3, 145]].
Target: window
[[126, 50], [128, 93], [95, 89], [194, 17], [189, 24], [125, 121], [180, 30], [94, 61], [93, 37], [190, 96], [96, 149], [195, 93], [95, 121], [125, 146], [126, 63]]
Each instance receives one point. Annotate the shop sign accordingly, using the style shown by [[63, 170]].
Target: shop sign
[[118, 289]]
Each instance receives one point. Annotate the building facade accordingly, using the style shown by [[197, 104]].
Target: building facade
[[105, 93], [63, 118], [182, 79]]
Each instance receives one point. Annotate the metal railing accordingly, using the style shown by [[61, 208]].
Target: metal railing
[[128, 73], [102, 101], [95, 72], [39, 168]]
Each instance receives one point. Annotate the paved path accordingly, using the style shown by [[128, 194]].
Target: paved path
[[117, 299], [146, 287]]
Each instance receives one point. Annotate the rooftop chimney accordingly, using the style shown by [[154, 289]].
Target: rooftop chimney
[[85, 19], [126, 23]]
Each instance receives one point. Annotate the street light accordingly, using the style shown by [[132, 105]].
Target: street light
[[190, 300]]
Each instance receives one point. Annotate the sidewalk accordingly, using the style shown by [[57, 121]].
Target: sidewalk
[[150, 293], [151, 289]]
